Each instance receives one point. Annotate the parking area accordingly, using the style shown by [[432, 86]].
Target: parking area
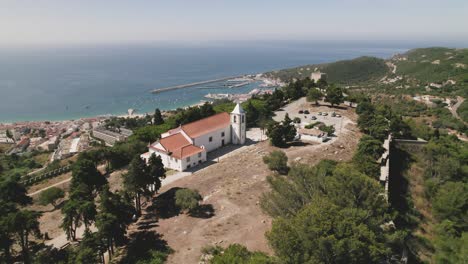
[[310, 113]]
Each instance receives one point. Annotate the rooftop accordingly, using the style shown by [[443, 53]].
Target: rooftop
[[206, 125], [178, 146]]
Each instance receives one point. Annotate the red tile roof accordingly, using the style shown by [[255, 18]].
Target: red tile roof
[[206, 125], [178, 146]]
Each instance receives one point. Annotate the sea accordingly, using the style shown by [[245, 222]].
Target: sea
[[62, 83]]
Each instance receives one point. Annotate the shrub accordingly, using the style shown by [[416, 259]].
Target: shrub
[[277, 161], [50, 196], [187, 199]]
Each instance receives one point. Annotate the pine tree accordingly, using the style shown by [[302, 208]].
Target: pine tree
[[156, 172], [115, 214], [137, 180], [158, 119]]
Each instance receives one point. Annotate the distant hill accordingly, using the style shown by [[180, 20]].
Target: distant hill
[[417, 67], [359, 70], [433, 65]]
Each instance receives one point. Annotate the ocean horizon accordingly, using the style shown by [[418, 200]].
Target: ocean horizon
[[65, 83]]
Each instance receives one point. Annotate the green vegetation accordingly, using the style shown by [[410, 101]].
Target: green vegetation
[[187, 200], [17, 225], [142, 179], [310, 198], [18, 165], [435, 64], [314, 95], [237, 254], [433, 210], [463, 111], [157, 119], [359, 70], [277, 161], [281, 133], [50, 196], [334, 95]]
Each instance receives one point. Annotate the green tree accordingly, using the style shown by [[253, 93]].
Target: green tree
[[50, 196], [275, 133], [325, 233], [314, 95], [238, 254], [158, 119], [450, 245], [84, 171], [322, 83], [281, 133], [252, 114], [289, 194], [187, 199], [113, 219], [277, 161], [137, 180], [451, 203], [23, 224], [12, 195], [90, 249], [71, 218], [334, 95], [156, 171], [9, 135]]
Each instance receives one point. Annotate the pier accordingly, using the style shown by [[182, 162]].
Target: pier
[[165, 89]]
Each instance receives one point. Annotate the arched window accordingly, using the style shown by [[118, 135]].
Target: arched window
[[235, 119]]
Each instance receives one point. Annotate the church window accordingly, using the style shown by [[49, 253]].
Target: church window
[[210, 139], [235, 119], [222, 134], [243, 119]]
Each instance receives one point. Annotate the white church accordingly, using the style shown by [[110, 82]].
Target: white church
[[186, 146]]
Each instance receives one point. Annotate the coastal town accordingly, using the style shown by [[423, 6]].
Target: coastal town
[[196, 181]]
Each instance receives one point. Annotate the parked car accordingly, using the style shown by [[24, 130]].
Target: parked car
[[325, 139], [301, 112], [333, 114], [306, 112], [338, 115], [313, 118], [325, 114], [319, 113]]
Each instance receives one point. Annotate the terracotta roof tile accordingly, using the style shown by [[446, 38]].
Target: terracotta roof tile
[[206, 125], [178, 146]]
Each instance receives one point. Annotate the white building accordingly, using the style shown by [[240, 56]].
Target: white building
[[186, 146], [316, 76]]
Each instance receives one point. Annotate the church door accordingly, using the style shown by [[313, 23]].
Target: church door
[[222, 142]]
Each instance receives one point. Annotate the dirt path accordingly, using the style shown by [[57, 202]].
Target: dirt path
[[48, 187], [454, 108]]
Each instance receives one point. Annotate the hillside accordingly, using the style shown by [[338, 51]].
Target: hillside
[[443, 67], [434, 65], [359, 70]]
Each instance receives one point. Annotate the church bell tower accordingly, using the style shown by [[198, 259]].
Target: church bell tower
[[238, 125]]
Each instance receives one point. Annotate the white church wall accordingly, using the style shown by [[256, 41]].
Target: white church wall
[[168, 161], [193, 160], [216, 137]]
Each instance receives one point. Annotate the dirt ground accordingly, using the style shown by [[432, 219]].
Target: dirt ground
[[232, 189], [52, 218]]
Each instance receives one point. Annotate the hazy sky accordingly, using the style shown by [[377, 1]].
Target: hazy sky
[[32, 22]]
